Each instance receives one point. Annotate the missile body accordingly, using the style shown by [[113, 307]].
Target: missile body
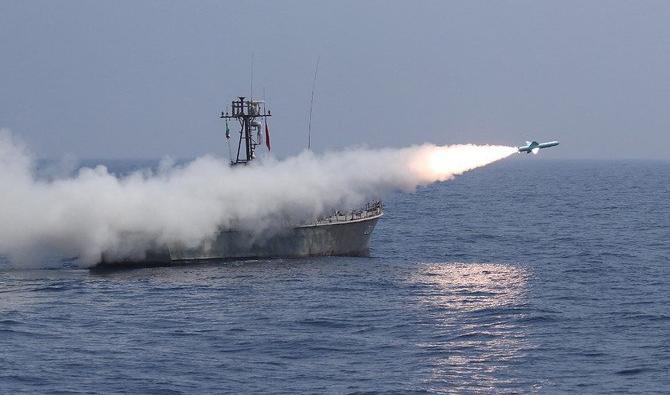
[[534, 146]]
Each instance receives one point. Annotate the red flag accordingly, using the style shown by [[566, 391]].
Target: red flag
[[267, 135]]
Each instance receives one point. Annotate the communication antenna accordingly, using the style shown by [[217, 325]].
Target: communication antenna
[[251, 89], [311, 105]]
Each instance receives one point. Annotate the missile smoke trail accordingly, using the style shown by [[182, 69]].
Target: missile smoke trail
[[95, 212]]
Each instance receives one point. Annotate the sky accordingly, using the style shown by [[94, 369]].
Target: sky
[[147, 79]]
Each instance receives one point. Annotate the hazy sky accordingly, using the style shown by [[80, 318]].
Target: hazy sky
[[145, 79]]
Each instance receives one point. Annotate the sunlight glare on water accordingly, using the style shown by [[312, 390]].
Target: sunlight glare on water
[[475, 341]]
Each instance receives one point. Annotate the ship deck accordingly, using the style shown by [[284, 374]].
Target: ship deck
[[370, 211]]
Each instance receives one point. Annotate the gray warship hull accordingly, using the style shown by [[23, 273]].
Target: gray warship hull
[[346, 235], [336, 238]]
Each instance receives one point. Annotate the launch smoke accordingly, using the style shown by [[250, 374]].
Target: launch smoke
[[95, 212]]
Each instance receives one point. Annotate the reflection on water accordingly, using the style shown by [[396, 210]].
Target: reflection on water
[[472, 286], [478, 334]]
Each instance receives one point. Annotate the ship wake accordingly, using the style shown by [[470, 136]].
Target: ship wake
[[95, 212]]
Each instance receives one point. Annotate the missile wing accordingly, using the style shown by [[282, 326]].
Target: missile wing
[[534, 146]]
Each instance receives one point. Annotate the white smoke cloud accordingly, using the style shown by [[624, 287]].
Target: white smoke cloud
[[96, 212]]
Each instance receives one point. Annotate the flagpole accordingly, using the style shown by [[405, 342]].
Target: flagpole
[[230, 152]]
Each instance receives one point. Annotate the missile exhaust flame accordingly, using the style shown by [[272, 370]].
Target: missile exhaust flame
[[441, 163]]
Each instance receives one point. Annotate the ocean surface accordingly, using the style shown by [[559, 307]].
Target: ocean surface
[[529, 275]]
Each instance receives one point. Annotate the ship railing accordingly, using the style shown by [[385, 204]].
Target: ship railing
[[371, 209]]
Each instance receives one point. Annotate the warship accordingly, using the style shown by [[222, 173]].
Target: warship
[[341, 233]]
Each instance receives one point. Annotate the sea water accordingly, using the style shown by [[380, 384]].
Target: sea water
[[528, 275]]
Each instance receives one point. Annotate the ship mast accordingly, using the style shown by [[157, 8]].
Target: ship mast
[[248, 113]]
